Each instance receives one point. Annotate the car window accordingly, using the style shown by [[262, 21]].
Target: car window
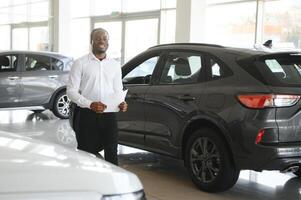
[[287, 71], [56, 64], [275, 70], [68, 65], [181, 68], [8, 63], [217, 70], [37, 63], [142, 73]]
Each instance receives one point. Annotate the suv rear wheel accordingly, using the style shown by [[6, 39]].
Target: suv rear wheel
[[208, 161], [61, 105]]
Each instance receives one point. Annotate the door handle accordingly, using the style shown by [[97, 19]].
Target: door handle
[[133, 96], [53, 76], [13, 78], [186, 98]]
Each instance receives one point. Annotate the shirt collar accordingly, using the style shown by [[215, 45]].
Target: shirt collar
[[93, 57]]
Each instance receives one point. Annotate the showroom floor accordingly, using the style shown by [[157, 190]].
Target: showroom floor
[[163, 178]]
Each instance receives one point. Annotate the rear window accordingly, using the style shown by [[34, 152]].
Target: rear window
[[275, 70]]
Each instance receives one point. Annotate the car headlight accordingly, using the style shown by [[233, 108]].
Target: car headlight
[[128, 196]]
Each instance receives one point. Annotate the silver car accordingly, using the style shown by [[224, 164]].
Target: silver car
[[35, 81], [34, 169]]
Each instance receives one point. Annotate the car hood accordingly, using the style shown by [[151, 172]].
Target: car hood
[[28, 165]]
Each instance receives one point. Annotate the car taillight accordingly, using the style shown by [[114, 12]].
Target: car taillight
[[267, 100], [259, 136]]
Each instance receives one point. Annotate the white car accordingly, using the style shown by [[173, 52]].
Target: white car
[[34, 170]]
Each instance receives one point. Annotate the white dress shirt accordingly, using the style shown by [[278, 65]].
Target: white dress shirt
[[92, 80]]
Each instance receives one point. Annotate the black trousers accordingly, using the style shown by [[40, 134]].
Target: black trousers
[[97, 131]]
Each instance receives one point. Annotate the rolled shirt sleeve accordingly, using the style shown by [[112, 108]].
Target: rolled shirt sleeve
[[73, 86]]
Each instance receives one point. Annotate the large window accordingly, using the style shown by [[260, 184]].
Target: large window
[[39, 38], [35, 38], [20, 39], [133, 25], [27, 22], [167, 26], [231, 24], [5, 37], [282, 23], [241, 22], [140, 5], [80, 37], [138, 41]]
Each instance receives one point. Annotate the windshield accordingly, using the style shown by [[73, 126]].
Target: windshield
[[276, 70], [286, 70]]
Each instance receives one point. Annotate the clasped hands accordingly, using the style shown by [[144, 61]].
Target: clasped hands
[[99, 107]]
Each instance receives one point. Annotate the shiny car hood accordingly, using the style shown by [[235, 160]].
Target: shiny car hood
[[28, 165]]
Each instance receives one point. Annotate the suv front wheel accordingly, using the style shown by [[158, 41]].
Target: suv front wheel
[[61, 105], [208, 161]]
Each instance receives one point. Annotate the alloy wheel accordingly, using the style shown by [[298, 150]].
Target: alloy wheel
[[63, 105], [205, 160]]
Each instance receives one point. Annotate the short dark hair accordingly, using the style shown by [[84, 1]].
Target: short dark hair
[[96, 30]]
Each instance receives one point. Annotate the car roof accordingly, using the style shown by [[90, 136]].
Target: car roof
[[240, 52], [44, 53]]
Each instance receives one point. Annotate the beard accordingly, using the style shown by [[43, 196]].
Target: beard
[[99, 50]]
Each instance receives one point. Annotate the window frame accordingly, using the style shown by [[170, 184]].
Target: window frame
[[201, 76], [135, 62], [222, 64], [19, 62], [34, 56]]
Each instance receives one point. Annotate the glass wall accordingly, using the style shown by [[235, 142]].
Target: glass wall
[[5, 31], [20, 39], [133, 25], [233, 22], [282, 23], [80, 41], [129, 6], [39, 38], [139, 36], [24, 25]]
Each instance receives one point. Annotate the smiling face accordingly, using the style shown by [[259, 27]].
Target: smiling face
[[100, 42]]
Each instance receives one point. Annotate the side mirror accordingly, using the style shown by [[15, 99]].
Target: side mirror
[[147, 79]]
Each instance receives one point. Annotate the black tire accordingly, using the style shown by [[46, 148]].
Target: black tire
[[37, 111], [219, 172], [298, 173], [61, 105]]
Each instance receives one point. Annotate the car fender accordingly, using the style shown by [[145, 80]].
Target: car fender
[[52, 98], [208, 120]]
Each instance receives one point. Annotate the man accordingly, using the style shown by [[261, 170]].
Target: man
[[94, 78]]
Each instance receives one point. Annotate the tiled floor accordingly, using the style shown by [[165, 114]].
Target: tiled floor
[[163, 178]]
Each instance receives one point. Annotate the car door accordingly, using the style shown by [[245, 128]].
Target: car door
[[39, 80], [137, 77], [173, 100], [9, 80]]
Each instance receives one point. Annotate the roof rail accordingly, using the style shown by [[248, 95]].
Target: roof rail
[[193, 44]]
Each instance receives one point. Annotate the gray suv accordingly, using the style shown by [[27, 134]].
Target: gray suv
[[220, 109], [35, 81]]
